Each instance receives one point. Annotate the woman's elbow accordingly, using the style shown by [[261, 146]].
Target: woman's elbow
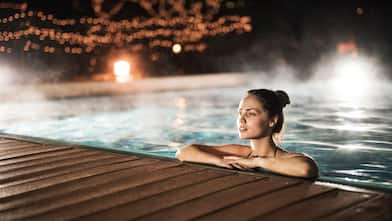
[[182, 153], [309, 170], [179, 154]]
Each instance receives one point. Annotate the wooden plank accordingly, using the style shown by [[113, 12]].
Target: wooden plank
[[266, 203], [220, 200], [46, 182], [17, 141], [378, 208], [48, 168], [322, 204], [49, 206], [7, 142], [170, 198], [142, 174], [22, 144], [38, 156], [19, 146], [81, 172], [39, 162], [58, 171], [32, 152], [133, 194], [20, 178]]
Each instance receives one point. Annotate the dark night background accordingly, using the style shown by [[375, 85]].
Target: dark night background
[[296, 33]]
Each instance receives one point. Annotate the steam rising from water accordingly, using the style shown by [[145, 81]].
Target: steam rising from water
[[6, 75], [321, 84], [326, 128], [341, 77]]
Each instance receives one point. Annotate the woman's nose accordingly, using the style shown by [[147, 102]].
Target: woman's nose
[[241, 119]]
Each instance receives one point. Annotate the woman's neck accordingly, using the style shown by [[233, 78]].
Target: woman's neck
[[263, 147]]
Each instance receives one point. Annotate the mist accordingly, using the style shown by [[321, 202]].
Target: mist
[[292, 48]]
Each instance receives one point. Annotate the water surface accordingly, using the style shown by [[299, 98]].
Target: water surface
[[351, 139]]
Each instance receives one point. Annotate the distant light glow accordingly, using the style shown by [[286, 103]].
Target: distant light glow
[[353, 127], [176, 48], [353, 77], [351, 147], [354, 114], [347, 47], [359, 11], [122, 71], [181, 102]]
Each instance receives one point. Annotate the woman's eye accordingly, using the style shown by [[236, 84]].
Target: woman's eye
[[251, 114]]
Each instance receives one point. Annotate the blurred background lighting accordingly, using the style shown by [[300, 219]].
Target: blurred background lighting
[[359, 11], [176, 48], [122, 71], [353, 77]]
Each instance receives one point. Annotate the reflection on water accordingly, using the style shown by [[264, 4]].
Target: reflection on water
[[351, 141]]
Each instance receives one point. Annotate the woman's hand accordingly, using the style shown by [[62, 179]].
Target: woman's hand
[[240, 162]]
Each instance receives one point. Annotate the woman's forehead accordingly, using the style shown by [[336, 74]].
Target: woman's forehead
[[250, 102]]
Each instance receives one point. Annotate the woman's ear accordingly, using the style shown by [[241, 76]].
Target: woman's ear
[[273, 120]]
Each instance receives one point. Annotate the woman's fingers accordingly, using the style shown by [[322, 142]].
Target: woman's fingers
[[240, 166], [224, 163], [229, 166], [237, 166], [237, 163], [232, 158]]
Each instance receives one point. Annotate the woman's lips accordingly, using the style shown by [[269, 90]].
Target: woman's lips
[[242, 129]]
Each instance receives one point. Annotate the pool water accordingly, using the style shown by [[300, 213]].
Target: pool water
[[351, 140]]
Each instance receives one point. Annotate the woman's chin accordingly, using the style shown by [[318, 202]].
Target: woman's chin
[[248, 136], [243, 136]]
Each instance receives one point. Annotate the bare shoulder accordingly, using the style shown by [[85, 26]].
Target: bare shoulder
[[307, 166], [283, 154]]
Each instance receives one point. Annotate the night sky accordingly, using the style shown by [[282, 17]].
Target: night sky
[[297, 33]]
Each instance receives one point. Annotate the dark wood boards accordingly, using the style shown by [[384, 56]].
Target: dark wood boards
[[59, 182]]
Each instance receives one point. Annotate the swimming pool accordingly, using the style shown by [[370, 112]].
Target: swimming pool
[[351, 140]]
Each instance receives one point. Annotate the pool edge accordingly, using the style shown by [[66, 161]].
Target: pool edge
[[324, 182]]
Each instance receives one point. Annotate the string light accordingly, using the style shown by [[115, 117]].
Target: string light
[[176, 48], [170, 22]]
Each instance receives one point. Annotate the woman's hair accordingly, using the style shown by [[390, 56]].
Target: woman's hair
[[273, 102]]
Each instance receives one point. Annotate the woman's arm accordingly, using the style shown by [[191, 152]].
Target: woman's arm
[[213, 155], [297, 165], [233, 156]]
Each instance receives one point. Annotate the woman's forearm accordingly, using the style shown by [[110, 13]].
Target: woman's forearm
[[195, 153], [299, 167]]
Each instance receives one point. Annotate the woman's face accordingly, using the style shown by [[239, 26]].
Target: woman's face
[[253, 121]]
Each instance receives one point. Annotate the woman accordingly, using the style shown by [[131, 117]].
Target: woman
[[260, 119]]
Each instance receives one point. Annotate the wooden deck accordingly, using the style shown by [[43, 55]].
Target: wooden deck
[[53, 182]]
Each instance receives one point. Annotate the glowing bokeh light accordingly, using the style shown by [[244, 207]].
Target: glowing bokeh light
[[176, 48], [181, 102], [122, 71], [359, 11], [353, 77], [184, 24]]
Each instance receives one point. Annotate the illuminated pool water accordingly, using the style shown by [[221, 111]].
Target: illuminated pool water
[[350, 140]]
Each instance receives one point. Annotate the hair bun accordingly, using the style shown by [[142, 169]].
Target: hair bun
[[283, 97]]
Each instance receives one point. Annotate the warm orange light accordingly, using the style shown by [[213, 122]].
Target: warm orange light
[[347, 47], [176, 48], [122, 71], [194, 24]]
